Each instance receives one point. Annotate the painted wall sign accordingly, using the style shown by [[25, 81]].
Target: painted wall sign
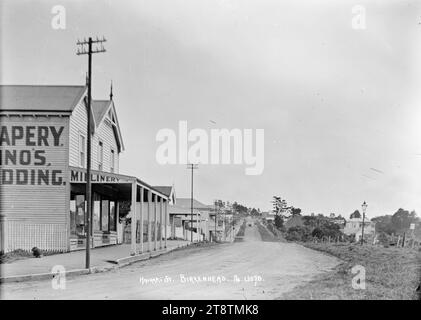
[[27, 155], [80, 176]]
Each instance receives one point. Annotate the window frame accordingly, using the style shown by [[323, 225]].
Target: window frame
[[100, 155], [112, 160], [105, 200], [82, 150]]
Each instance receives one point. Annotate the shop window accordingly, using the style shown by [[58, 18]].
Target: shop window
[[80, 215], [96, 218], [100, 155], [112, 161], [82, 144], [113, 213], [105, 215], [73, 217]]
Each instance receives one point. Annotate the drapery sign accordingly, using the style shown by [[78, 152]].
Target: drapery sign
[[32, 155]]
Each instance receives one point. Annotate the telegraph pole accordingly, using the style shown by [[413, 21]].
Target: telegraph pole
[[364, 207], [215, 220], [216, 215], [225, 229], [85, 47], [191, 166]]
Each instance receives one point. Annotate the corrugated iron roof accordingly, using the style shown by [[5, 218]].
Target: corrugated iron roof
[[40, 97], [164, 189], [175, 209], [186, 203]]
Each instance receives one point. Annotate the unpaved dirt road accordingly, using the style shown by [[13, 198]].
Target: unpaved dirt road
[[249, 269]]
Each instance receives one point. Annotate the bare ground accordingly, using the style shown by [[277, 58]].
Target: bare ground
[[250, 269]]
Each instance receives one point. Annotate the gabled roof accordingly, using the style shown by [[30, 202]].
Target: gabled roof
[[164, 189], [47, 98], [169, 191], [40, 97], [99, 109], [176, 209], [186, 203]]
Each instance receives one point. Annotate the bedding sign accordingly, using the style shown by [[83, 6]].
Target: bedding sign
[[32, 155]]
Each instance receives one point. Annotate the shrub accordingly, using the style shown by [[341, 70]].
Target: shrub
[[383, 239], [298, 233], [327, 230], [279, 222]]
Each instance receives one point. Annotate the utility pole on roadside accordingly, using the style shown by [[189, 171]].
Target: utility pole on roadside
[[82, 50], [225, 229], [215, 219], [364, 207], [191, 166]]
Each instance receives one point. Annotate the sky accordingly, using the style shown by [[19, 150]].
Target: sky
[[339, 106]]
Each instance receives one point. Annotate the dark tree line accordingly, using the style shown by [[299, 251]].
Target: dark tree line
[[397, 223]]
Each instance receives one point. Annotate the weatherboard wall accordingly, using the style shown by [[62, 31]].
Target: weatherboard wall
[[33, 210], [104, 133]]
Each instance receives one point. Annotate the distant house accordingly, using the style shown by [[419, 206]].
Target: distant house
[[182, 222], [339, 220], [268, 216], [169, 191], [354, 226]]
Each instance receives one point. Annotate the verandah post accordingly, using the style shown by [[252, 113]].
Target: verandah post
[[134, 219]]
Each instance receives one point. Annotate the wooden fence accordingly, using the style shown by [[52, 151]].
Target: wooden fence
[[19, 235]]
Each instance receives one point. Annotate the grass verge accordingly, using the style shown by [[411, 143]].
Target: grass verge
[[15, 255], [240, 232], [391, 273], [266, 234]]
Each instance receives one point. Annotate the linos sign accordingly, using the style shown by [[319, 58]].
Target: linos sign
[[26, 156], [79, 176]]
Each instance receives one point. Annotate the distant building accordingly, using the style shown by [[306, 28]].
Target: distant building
[[43, 158], [339, 220], [269, 216], [169, 191], [354, 226], [204, 224]]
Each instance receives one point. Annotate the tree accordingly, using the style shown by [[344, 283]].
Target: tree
[[397, 223], [295, 211], [327, 229], [383, 239], [279, 206], [311, 221], [402, 219], [298, 233], [355, 215], [220, 204], [317, 232], [238, 208], [384, 224], [279, 221], [254, 212]]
